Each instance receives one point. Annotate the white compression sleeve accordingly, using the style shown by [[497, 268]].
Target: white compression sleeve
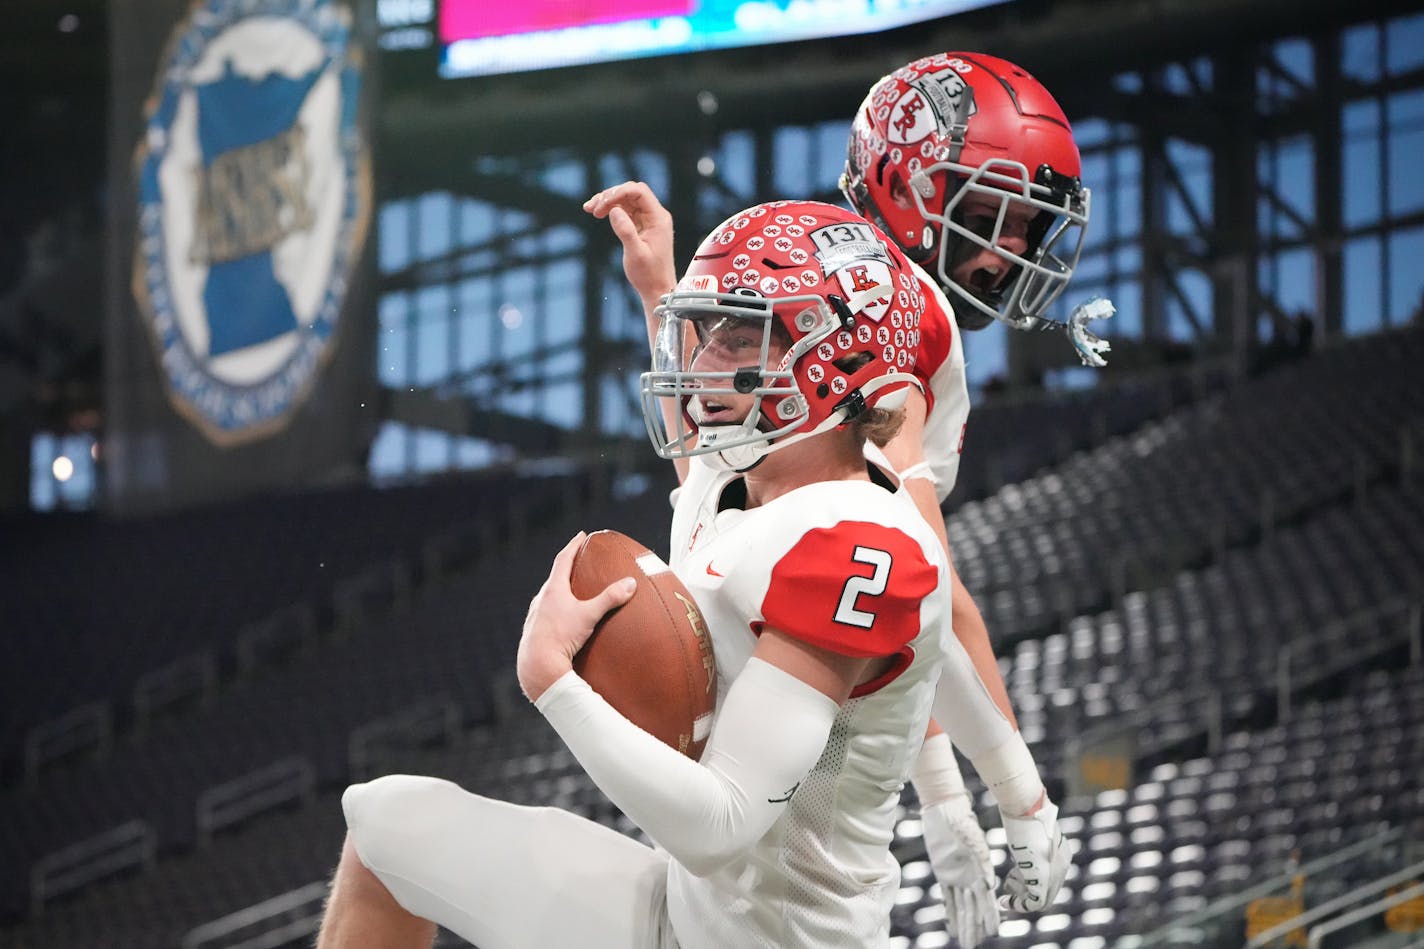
[[935, 772], [769, 733], [963, 706], [965, 709]]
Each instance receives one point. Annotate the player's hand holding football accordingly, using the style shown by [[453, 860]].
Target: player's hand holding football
[[559, 623], [1038, 857], [965, 870]]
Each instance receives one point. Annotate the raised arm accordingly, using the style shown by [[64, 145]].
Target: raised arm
[[644, 228], [906, 454]]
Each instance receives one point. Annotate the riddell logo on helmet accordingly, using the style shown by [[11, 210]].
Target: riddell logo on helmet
[[702, 283]]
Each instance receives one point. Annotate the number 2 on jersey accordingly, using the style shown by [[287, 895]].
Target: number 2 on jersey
[[873, 585]]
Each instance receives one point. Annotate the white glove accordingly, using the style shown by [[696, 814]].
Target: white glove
[[965, 870], [1038, 857]]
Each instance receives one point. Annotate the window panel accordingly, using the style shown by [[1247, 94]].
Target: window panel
[[1364, 305], [1361, 164], [1091, 132], [736, 162], [433, 217], [1297, 58], [388, 452], [1405, 128], [515, 301], [1290, 278], [44, 491], [563, 404], [1295, 176], [1092, 268], [471, 453], [1406, 285], [563, 304], [393, 234], [432, 336], [622, 409], [1129, 259], [566, 176], [1197, 289], [1360, 53], [477, 221], [475, 309], [431, 450], [1404, 44], [792, 147], [650, 167], [394, 339], [1126, 295], [830, 155]]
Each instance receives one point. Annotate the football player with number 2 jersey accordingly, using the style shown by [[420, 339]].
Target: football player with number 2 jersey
[[969, 165], [787, 344]]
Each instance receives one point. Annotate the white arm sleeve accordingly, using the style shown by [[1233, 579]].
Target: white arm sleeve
[[935, 772], [967, 712], [769, 733]]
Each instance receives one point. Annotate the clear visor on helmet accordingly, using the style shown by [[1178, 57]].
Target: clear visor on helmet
[[1057, 219], [721, 376]]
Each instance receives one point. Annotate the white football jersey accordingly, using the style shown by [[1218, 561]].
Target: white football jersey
[[852, 567], [939, 364]]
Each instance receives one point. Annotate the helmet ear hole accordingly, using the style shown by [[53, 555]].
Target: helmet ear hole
[[900, 190], [848, 364], [880, 167]]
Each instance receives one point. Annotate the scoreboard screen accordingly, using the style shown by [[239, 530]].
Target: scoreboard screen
[[481, 37]]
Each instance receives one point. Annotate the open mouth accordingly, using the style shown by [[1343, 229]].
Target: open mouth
[[712, 412], [985, 280]]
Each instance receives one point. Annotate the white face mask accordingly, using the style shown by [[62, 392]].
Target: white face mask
[[744, 366]]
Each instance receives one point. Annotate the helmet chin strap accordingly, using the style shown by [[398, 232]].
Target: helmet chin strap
[[739, 458]]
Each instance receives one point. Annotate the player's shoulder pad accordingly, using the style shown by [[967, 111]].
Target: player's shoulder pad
[[939, 334], [853, 586]]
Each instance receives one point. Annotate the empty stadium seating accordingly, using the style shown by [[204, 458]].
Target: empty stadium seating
[[1235, 582]]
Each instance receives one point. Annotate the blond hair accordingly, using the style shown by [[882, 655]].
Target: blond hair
[[878, 426]]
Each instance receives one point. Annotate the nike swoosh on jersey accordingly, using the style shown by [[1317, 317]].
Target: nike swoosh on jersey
[[786, 797], [714, 573]]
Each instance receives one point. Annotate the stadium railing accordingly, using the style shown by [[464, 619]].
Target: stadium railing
[[1196, 927], [1342, 903], [266, 925], [130, 845]]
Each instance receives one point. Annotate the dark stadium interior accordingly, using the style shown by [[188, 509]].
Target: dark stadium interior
[[1203, 571]]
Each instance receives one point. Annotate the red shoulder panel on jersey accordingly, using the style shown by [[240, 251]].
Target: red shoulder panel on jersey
[[936, 340], [854, 588]]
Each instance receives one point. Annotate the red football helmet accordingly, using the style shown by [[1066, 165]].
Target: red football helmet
[[964, 131], [802, 306]]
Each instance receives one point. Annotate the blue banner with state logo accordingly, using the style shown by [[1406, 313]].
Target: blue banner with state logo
[[246, 246]]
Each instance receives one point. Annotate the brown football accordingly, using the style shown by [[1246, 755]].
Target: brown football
[[650, 658]]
